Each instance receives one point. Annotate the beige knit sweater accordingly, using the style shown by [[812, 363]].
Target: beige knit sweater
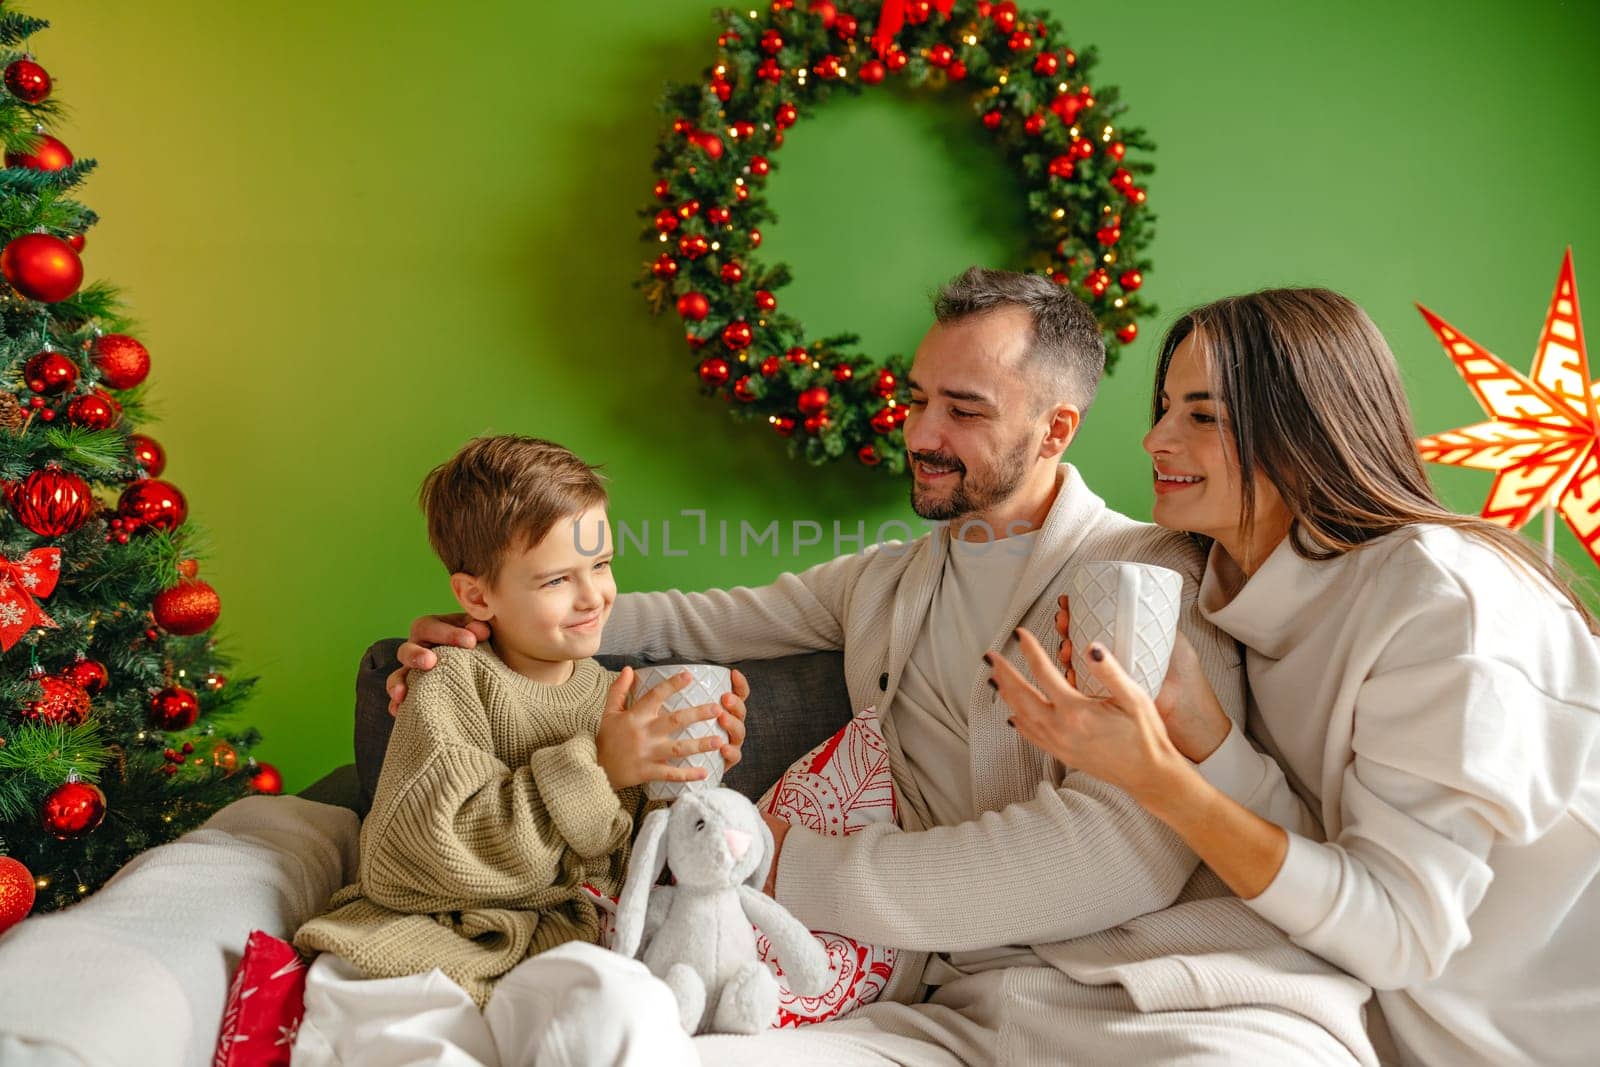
[[490, 813], [1055, 859]]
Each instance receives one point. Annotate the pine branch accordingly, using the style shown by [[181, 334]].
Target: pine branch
[[15, 28]]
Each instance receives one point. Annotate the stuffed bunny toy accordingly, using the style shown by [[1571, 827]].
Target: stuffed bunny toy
[[697, 933]]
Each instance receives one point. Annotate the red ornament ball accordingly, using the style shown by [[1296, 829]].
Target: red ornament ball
[[770, 70], [16, 892], [62, 702], [48, 154], [1131, 280], [815, 424], [873, 72], [96, 410], [883, 420], [665, 267], [1116, 150], [956, 70], [41, 267], [709, 143], [1005, 16], [742, 391], [783, 425], [825, 10], [769, 366], [732, 271], [75, 241], [714, 370], [766, 301], [689, 208], [188, 568], [845, 25], [156, 504], [897, 61], [1108, 235], [90, 674], [188, 608], [755, 238], [666, 220], [1083, 148], [694, 306], [266, 779], [74, 810], [214, 681], [150, 456], [693, 245], [1062, 167], [1097, 282], [843, 373], [49, 372], [174, 708], [828, 67], [1047, 64], [993, 119], [718, 216], [771, 42], [868, 455], [941, 55], [663, 189], [886, 384], [51, 501], [737, 335], [786, 116], [760, 166], [1034, 124], [798, 355], [1127, 333], [27, 80], [813, 401]]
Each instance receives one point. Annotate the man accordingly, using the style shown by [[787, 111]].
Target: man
[[1044, 907]]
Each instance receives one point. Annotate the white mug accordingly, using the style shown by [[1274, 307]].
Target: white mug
[[706, 686], [1130, 608]]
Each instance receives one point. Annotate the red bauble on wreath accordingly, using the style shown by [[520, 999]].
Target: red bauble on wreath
[[188, 608], [1062, 136], [174, 708], [51, 501], [153, 504], [74, 809], [264, 778], [90, 674], [41, 267], [122, 360], [96, 410]]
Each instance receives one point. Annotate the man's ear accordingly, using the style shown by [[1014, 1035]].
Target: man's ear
[[1060, 430], [471, 595]]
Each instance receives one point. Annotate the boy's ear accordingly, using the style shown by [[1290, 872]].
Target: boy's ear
[[469, 593]]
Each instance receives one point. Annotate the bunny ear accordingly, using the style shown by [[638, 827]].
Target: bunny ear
[[649, 858], [757, 879]]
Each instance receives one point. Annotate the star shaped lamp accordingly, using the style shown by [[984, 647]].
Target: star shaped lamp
[[1542, 439]]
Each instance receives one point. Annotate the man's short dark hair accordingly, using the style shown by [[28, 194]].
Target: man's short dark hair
[[1067, 348]]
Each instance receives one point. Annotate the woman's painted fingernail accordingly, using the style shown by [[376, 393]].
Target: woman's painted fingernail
[[1097, 653], [1011, 723], [993, 684], [988, 657]]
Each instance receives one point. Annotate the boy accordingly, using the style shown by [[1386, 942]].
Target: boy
[[512, 776]]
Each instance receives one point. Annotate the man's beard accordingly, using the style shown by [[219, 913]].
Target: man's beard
[[973, 494]]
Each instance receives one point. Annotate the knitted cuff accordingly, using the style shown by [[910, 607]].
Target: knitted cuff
[[1234, 767], [578, 796]]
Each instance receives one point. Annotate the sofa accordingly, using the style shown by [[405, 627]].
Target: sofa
[[138, 974]]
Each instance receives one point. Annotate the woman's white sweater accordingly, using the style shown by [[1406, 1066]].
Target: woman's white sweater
[[1439, 709]]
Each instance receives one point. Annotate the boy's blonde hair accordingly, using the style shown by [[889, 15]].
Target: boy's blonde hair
[[499, 494]]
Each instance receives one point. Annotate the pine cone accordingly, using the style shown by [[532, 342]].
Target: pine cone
[[12, 414]]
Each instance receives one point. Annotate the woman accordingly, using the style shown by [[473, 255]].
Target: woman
[[1430, 687]]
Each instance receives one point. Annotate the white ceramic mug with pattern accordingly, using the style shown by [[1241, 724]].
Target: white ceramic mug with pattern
[[706, 686], [1130, 608]]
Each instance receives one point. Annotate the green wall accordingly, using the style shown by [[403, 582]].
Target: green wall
[[358, 236]]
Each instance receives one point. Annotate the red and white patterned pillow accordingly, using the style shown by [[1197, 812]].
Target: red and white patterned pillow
[[265, 1005], [841, 786]]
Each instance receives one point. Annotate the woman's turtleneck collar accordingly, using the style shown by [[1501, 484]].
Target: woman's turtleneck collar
[[1271, 610]]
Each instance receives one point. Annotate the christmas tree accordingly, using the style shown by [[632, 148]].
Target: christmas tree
[[112, 701]]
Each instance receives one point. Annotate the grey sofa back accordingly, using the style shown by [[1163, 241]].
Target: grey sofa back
[[795, 703]]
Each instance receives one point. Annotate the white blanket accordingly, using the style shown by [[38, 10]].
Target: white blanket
[[137, 974]]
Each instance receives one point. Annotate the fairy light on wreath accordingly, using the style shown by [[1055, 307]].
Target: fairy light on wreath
[[1081, 172]]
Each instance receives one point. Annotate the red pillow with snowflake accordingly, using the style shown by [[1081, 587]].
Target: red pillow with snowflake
[[264, 1006], [841, 786]]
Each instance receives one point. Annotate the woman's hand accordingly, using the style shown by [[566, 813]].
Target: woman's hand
[[1188, 705], [1120, 739]]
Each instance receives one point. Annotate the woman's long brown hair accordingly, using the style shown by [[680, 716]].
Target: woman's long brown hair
[[1313, 396]]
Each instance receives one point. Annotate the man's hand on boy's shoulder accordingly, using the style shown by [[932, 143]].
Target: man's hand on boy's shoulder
[[427, 633], [635, 742]]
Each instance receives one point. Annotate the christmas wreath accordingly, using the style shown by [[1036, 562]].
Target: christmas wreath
[[1030, 94]]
